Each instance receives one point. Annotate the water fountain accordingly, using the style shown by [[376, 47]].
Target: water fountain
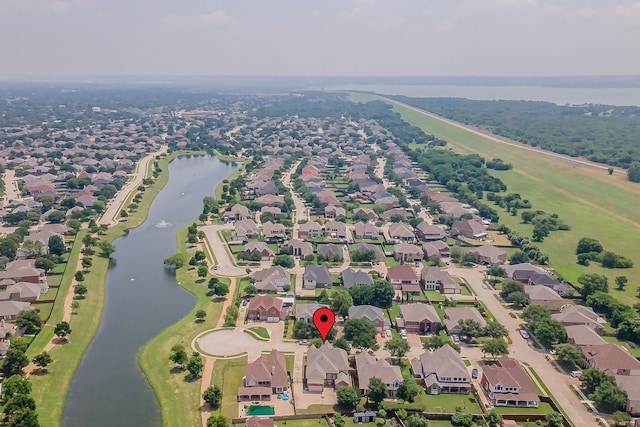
[[163, 224]]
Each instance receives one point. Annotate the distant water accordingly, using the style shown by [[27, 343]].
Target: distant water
[[557, 95]]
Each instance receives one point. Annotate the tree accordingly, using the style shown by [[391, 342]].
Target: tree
[[32, 248], [75, 305], [592, 378], [62, 329], [106, 248], [549, 331], [80, 290], [377, 391], [25, 417], [195, 365], [382, 294], [250, 290], [633, 173], [554, 419], [123, 213], [338, 420], [202, 271], [495, 329], [518, 299], [218, 421], [14, 361], [460, 418], [518, 257], [178, 355], [343, 344], [361, 332], [323, 298], [44, 263], [347, 396], [361, 294], [56, 245], [220, 289], [470, 328], [30, 321], [494, 418], [8, 248], [593, 283], [495, 347], [397, 346], [469, 258], [213, 396], [535, 313], [86, 263], [14, 385], [587, 245], [284, 261], [621, 282], [568, 355], [79, 276], [621, 418], [436, 341], [510, 287], [175, 260], [16, 404], [416, 420], [608, 397], [408, 390], [42, 360], [341, 301], [496, 271], [200, 315]]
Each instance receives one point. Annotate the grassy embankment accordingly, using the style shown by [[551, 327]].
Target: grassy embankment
[[50, 390], [179, 396], [592, 202]]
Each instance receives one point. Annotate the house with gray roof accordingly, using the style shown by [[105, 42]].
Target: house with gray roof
[[379, 255], [541, 295], [237, 212], [244, 230], [266, 253], [401, 231], [305, 311], [435, 279], [351, 277], [327, 366], [331, 250], [309, 229], [316, 276], [372, 313], [368, 367], [407, 252], [299, 248], [366, 231], [272, 230], [572, 315], [418, 318], [335, 229], [427, 232], [442, 370], [453, 315], [581, 335], [271, 280]]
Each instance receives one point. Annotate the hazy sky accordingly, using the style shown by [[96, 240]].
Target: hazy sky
[[319, 37]]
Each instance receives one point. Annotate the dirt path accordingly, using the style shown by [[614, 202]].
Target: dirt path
[[205, 410]]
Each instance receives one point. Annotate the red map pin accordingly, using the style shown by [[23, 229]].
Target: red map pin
[[324, 319]]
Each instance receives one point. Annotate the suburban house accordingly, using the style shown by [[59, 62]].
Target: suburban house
[[335, 230], [272, 279], [15, 273], [631, 386], [327, 366], [237, 212], [366, 211], [372, 313], [572, 315], [366, 231], [401, 231], [435, 248], [361, 247], [612, 359], [454, 315], [272, 230], [316, 276], [402, 277], [533, 278], [270, 200], [518, 269], [418, 318], [299, 248], [244, 230], [541, 295], [368, 367], [404, 213], [427, 232], [407, 252], [276, 211], [264, 308], [351, 277], [10, 309], [435, 279], [259, 422], [266, 253], [507, 384], [333, 212], [442, 370], [330, 250], [22, 291], [469, 228], [488, 254], [309, 229], [264, 377], [305, 311], [581, 335]]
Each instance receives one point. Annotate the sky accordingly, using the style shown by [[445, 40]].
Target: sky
[[319, 37]]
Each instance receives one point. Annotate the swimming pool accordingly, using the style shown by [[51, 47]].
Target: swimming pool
[[260, 410]]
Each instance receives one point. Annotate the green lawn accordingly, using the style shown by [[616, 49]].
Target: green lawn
[[260, 331], [227, 374], [390, 261], [394, 311], [316, 409], [448, 403], [544, 408], [315, 422], [435, 296], [593, 203]]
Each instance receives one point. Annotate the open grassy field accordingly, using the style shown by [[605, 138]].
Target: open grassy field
[[592, 202], [228, 375]]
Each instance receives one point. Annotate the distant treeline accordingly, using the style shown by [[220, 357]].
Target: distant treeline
[[601, 133]]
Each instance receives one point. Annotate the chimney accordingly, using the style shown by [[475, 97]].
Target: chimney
[[273, 369]]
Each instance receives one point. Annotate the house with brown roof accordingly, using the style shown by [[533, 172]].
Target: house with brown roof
[[9, 309], [368, 367], [270, 200], [541, 295], [612, 359], [435, 279], [488, 254], [442, 371], [331, 250], [309, 229], [259, 422], [299, 248], [305, 311], [272, 279], [435, 249], [237, 212], [366, 231], [272, 230], [333, 212], [264, 377], [328, 197], [469, 228], [581, 335], [316, 276], [372, 313], [507, 384], [419, 318], [453, 315], [266, 253], [366, 211], [427, 232], [402, 275], [401, 231], [335, 229], [404, 213], [407, 252], [264, 308], [327, 366], [361, 247], [244, 230], [22, 291], [23, 274], [572, 315]]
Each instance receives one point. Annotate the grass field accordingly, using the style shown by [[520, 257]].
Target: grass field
[[227, 374], [593, 203], [260, 331]]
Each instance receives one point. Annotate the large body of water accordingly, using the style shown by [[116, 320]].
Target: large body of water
[[557, 95], [142, 299]]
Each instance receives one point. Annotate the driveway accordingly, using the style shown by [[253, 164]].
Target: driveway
[[226, 265]]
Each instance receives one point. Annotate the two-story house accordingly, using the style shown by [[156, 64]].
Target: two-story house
[[369, 367], [507, 384], [264, 308], [418, 318], [327, 366], [442, 370], [264, 377], [309, 229]]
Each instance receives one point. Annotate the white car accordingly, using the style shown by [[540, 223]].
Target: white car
[[524, 334], [388, 332]]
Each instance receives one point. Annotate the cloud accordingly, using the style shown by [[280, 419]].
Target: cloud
[[41, 6], [216, 18]]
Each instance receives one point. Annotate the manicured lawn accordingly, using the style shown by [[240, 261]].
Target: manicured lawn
[[316, 409], [227, 374], [544, 408], [390, 261], [593, 203], [349, 423], [289, 360], [260, 331], [434, 296], [394, 311], [448, 403], [316, 422]]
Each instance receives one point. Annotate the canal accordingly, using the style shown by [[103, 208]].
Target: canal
[[142, 299]]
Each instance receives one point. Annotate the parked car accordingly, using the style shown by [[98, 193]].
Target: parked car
[[524, 334], [474, 373], [215, 267], [456, 338], [576, 374], [403, 334], [388, 332]]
